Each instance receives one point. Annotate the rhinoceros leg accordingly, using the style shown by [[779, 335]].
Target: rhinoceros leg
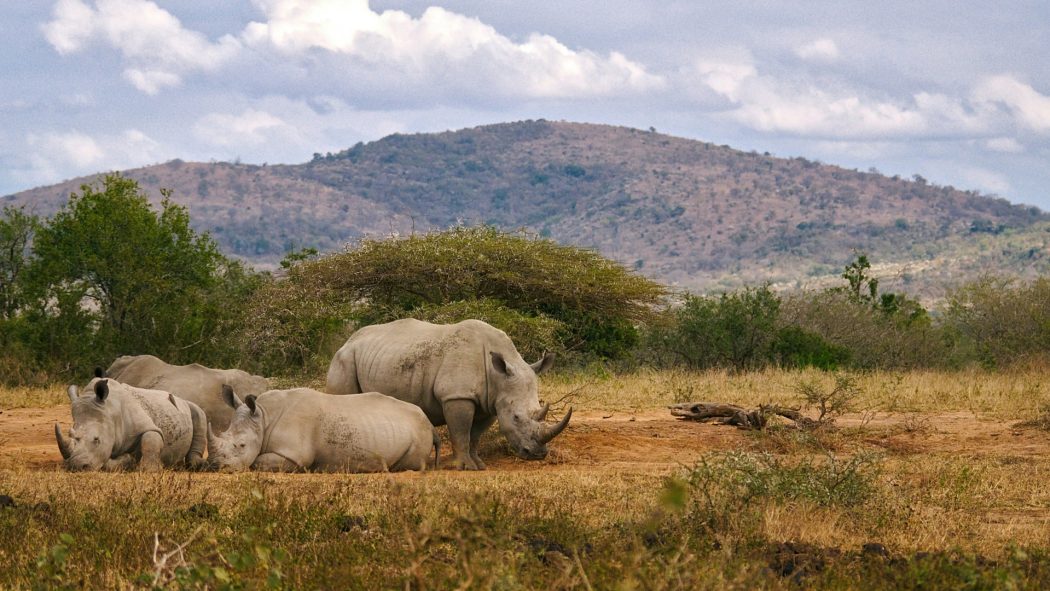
[[479, 427], [459, 416], [270, 462], [120, 463], [151, 443]]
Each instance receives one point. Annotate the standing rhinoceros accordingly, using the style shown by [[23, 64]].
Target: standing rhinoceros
[[196, 383], [303, 429], [121, 427], [465, 375]]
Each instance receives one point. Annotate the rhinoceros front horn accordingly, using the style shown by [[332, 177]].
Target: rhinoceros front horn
[[557, 429], [63, 445]]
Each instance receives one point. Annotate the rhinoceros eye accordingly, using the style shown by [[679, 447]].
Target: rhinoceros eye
[[97, 440]]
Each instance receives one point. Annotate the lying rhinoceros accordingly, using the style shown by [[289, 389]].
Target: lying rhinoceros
[[196, 383], [466, 375], [303, 429], [120, 427]]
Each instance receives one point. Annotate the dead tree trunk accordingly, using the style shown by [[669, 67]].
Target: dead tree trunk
[[731, 414]]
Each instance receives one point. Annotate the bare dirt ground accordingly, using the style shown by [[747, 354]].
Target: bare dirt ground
[[648, 441]]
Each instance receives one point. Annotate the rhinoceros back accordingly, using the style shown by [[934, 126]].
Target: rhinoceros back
[[196, 383], [419, 362]]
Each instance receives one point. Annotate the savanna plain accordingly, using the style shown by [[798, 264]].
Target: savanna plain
[[924, 479]]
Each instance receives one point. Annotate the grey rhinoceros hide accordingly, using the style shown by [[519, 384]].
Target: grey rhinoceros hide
[[303, 429], [116, 426], [466, 375], [196, 383]]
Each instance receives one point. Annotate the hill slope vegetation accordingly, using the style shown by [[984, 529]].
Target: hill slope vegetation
[[685, 212]]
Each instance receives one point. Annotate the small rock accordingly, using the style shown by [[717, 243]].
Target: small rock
[[6, 501]]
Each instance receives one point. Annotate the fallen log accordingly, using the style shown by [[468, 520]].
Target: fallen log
[[738, 416]]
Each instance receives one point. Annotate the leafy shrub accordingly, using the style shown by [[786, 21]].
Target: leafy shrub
[[735, 330], [830, 403], [873, 338], [724, 494], [109, 275], [1000, 321], [796, 347], [547, 295]]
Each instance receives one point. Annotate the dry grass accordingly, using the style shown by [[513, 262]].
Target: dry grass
[[1016, 394], [30, 397], [952, 490]]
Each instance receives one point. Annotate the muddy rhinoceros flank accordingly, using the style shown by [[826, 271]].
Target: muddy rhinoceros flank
[[303, 429]]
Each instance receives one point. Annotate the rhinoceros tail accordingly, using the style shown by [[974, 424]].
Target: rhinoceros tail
[[437, 449]]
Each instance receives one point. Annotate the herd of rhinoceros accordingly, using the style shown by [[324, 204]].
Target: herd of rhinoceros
[[388, 387]]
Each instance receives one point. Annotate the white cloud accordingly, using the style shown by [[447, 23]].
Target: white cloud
[[807, 107], [819, 50], [250, 128], [724, 77], [1006, 145], [156, 48], [441, 47], [389, 49], [1027, 104], [986, 180], [52, 156], [78, 148]]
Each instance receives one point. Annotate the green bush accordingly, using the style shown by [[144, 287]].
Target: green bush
[[547, 296], [870, 337], [796, 347], [735, 330], [109, 275], [999, 321]]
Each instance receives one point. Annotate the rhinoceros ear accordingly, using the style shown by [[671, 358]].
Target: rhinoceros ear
[[102, 390], [73, 394], [543, 364], [250, 401], [230, 396], [99, 372], [500, 364]]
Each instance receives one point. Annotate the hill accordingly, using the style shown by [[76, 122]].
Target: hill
[[695, 214]]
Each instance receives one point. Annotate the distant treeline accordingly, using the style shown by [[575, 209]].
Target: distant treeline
[[109, 275]]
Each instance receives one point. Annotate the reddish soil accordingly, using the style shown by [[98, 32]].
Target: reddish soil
[[644, 441]]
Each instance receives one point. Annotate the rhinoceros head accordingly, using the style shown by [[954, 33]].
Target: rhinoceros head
[[518, 406], [92, 438], [236, 448]]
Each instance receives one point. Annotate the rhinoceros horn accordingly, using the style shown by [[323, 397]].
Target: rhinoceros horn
[[63, 445], [556, 429], [73, 393], [211, 437], [541, 413]]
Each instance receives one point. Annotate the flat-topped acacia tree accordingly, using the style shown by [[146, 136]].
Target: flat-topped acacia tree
[[544, 294]]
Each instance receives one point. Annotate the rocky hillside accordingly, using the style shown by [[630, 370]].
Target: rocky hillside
[[687, 212]]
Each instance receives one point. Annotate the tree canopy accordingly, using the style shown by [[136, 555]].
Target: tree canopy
[[109, 274]]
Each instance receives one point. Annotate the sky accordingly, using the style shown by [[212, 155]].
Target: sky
[[955, 91]]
